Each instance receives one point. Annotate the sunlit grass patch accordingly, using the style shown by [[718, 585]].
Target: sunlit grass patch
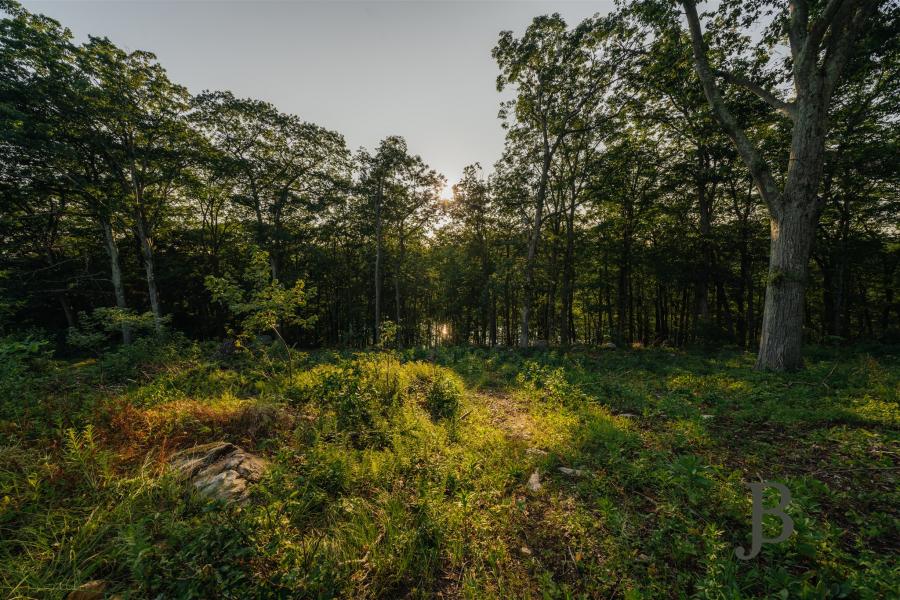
[[408, 475]]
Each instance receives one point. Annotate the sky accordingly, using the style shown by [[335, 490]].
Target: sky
[[367, 69]]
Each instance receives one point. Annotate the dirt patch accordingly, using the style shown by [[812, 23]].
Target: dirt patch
[[508, 414]]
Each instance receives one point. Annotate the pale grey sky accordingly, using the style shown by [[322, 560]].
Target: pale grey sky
[[366, 69]]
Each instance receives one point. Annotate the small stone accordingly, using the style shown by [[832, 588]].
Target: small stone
[[627, 415], [92, 590], [608, 346], [572, 472], [525, 550], [706, 416], [536, 452], [534, 482]]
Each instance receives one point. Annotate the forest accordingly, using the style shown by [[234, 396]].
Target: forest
[[551, 380]]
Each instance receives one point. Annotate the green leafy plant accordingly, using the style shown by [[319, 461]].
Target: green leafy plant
[[96, 331], [266, 305], [443, 395]]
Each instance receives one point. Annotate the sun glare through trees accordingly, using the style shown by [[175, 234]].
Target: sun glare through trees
[[646, 346]]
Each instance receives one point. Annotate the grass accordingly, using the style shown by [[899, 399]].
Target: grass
[[404, 474]]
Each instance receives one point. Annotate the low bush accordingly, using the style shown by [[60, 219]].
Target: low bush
[[444, 396]]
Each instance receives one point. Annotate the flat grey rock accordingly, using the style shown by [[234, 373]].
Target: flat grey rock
[[219, 470]]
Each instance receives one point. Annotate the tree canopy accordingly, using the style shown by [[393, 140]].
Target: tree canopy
[[670, 177]]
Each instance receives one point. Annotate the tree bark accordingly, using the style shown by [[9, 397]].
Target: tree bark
[[783, 312], [149, 268], [568, 285], [116, 273]]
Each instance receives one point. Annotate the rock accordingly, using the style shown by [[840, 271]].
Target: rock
[[608, 346], [534, 482], [572, 472], [220, 470], [525, 550], [92, 590], [706, 416], [536, 452], [627, 415]]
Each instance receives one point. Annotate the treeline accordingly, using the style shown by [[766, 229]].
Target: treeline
[[620, 210]]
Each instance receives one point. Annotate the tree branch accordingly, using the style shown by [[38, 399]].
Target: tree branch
[[789, 109], [768, 189], [797, 27], [819, 27], [843, 41]]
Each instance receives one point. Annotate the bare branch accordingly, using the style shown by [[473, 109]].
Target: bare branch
[[789, 109]]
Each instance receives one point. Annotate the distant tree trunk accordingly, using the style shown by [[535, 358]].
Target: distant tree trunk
[[116, 273], [528, 291], [507, 306], [568, 275], [61, 296], [704, 205], [623, 301], [608, 304], [378, 242], [533, 240], [149, 267], [397, 312], [67, 310], [493, 324]]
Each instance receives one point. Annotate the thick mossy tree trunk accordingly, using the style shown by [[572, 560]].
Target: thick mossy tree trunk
[[820, 49], [781, 344]]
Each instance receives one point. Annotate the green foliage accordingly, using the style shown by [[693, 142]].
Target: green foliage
[[378, 487], [17, 351], [363, 394], [98, 330], [443, 396], [267, 305]]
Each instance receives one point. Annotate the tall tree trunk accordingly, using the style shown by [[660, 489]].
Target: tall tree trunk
[[378, 242], [116, 273], [398, 310], [704, 205], [568, 275], [507, 305], [149, 268], [533, 239], [67, 310], [794, 209], [792, 233]]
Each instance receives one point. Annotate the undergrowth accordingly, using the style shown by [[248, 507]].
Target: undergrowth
[[404, 474]]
